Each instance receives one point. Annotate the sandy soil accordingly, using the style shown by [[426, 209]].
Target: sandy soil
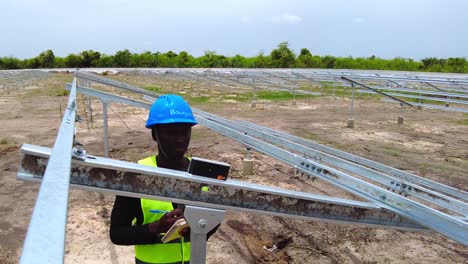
[[431, 143]]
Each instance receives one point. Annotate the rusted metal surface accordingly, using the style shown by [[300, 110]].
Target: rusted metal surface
[[225, 197]]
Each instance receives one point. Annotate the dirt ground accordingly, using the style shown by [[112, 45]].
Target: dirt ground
[[431, 143]]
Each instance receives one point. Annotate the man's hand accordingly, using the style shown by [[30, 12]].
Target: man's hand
[[185, 233], [166, 221]]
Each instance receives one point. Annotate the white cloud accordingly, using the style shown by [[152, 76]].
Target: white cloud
[[286, 19], [358, 20]]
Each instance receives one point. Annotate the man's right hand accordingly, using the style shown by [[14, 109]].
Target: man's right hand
[[166, 221]]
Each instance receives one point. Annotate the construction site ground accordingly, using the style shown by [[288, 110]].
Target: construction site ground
[[430, 143]]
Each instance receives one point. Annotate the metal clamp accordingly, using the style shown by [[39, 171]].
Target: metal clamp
[[78, 152]]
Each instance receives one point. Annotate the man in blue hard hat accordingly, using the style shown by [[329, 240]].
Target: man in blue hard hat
[[170, 120]]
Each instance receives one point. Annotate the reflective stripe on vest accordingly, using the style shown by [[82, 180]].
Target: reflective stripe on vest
[[159, 253]]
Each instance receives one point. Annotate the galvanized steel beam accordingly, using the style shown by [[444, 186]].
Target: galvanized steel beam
[[437, 99], [439, 107], [366, 162], [107, 81], [45, 239], [135, 180], [447, 225], [375, 90], [392, 183]]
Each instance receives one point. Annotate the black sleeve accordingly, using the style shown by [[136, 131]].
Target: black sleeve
[[122, 232]]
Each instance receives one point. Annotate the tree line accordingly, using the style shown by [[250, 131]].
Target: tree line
[[280, 57]]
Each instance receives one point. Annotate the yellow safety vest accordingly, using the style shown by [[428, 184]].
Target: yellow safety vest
[[176, 251]]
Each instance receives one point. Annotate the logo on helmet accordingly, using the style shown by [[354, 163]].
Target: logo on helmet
[[180, 113]]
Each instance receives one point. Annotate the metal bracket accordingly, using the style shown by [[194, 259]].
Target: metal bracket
[[201, 221], [78, 152]]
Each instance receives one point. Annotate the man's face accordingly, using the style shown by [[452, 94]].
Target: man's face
[[173, 139]]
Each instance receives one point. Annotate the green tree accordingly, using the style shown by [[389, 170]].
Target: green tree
[[122, 58], [90, 58], [283, 56], [60, 62], [47, 59], [328, 62], [429, 63], [73, 61], [184, 60], [105, 61], [32, 63], [305, 52], [262, 61], [238, 61], [9, 63], [305, 59], [213, 60], [456, 65]]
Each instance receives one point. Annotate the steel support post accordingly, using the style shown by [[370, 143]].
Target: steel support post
[[201, 221], [105, 126], [351, 118], [334, 87], [420, 94], [254, 94]]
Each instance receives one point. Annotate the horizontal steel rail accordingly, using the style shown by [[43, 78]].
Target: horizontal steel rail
[[389, 181], [419, 79], [109, 97], [447, 225], [425, 92], [107, 81], [366, 162], [212, 79], [432, 106], [281, 77], [440, 222], [413, 96], [45, 238], [135, 180], [433, 86], [375, 90]]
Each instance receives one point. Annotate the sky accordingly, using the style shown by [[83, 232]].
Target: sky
[[359, 28]]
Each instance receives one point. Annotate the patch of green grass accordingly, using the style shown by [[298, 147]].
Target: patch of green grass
[[423, 101], [277, 95], [347, 92], [391, 151], [463, 122], [198, 99], [53, 91], [61, 92], [241, 97], [308, 135], [155, 89], [7, 145]]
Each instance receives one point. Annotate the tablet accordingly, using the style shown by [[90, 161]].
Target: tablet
[[209, 168]]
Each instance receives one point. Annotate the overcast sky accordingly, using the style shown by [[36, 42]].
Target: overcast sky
[[359, 28]]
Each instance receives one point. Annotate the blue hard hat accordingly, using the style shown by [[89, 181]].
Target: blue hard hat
[[168, 109]]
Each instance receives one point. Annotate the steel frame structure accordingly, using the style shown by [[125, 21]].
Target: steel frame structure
[[386, 208], [283, 79]]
